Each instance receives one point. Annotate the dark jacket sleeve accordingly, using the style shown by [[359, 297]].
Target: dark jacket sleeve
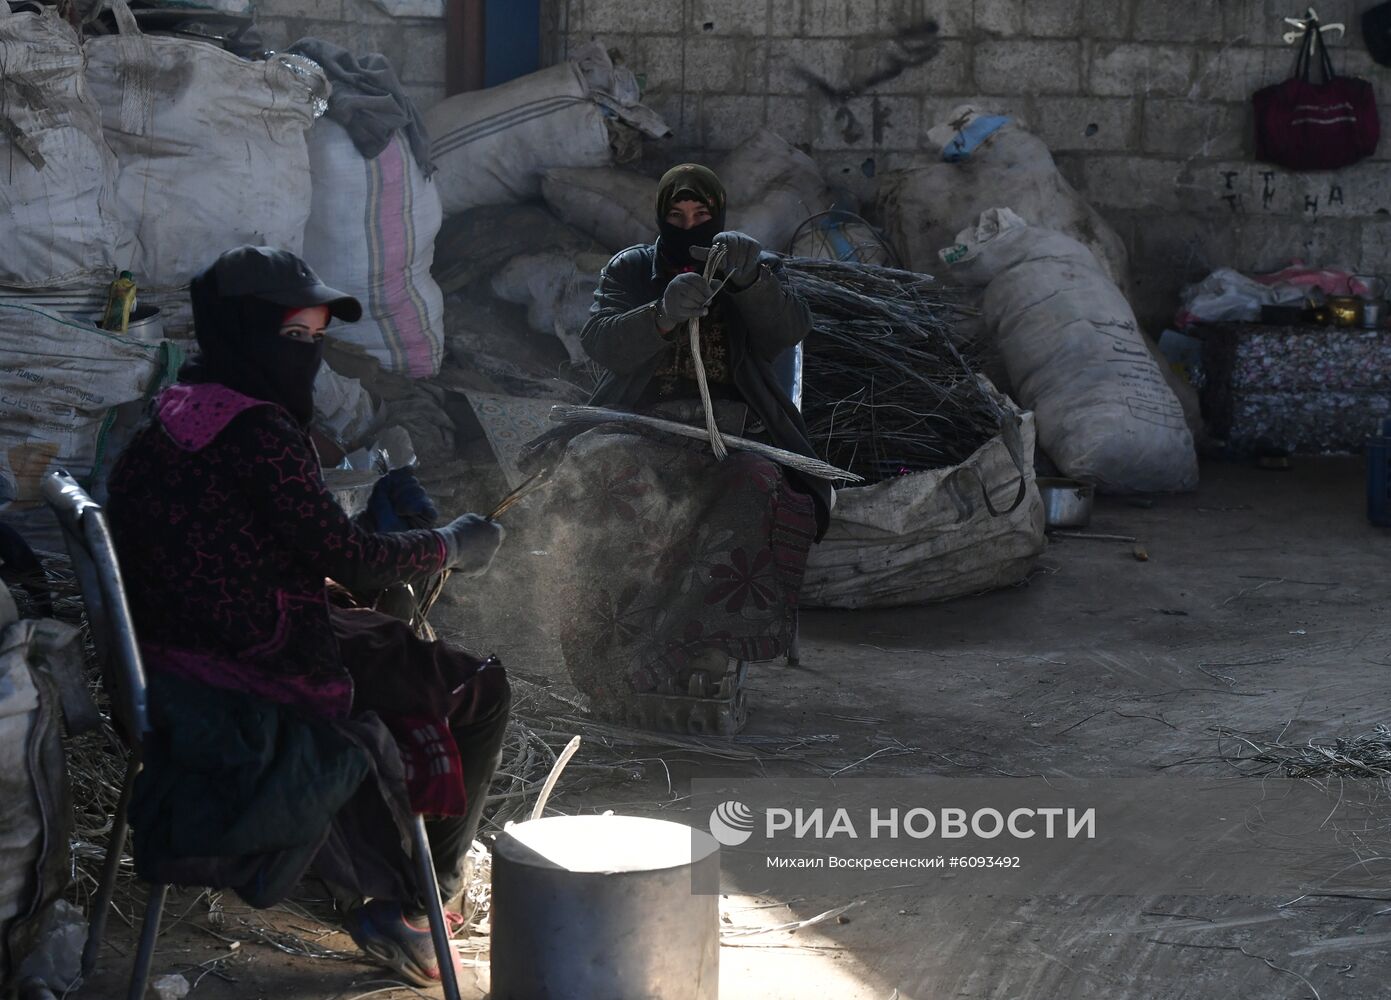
[[282, 479], [775, 316], [621, 333]]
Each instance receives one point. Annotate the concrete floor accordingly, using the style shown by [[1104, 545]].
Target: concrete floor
[[1264, 606]]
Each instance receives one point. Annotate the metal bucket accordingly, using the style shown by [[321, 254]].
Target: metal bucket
[[1067, 503], [602, 906], [146, 323]]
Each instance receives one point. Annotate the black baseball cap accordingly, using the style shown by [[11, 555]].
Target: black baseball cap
[[279, 276]]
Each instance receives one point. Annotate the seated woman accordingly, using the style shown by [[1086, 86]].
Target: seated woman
[[288, 731], [677, 568]]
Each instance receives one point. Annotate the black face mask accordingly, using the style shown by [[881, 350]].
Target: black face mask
[[674, 243], [240, 346]]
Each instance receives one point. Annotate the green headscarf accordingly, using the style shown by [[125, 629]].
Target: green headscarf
[[691, 179]]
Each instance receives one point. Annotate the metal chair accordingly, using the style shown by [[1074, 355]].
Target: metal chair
[[788, 370], [113, 632]]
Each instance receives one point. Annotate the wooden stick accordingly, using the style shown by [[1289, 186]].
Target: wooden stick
[[566, 413]]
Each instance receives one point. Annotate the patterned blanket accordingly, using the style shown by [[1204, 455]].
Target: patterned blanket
[[665, 553]]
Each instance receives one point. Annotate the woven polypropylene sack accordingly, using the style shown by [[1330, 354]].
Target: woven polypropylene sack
[[930, 536], [60, 384], [1076, 357], [371, 233], [210, 148], [57, 205]]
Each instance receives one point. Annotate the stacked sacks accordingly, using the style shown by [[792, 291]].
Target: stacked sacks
[[773, 187], [493, 146], [56, 205], [998, 164], [210, 150]]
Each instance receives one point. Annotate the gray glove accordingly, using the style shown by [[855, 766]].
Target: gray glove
[[741, 258], [683, 300], [470, 542]]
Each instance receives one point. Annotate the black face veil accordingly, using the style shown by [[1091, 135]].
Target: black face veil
[[240, 346]]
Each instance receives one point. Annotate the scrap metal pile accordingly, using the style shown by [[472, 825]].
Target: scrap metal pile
[[889, 381]]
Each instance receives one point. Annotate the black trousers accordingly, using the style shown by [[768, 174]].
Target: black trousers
[[480, 749]]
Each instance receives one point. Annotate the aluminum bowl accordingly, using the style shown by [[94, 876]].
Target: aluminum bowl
[[1067, 503]]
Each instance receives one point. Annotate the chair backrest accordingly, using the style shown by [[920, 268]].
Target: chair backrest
[[788, 370], [104, 595]]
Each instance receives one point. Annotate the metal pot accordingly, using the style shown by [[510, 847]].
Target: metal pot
[[603, 906], [1373, 313], [1067, 503], [146, 324]]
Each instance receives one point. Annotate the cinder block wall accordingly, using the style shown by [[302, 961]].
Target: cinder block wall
[[1144, 102], [415, 45]]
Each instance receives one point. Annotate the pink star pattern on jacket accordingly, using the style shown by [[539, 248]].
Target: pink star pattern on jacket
[[232, 592]]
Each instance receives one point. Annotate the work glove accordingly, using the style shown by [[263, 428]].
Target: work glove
[[470, 542], [400, 503], [741, 258], [684, 299]]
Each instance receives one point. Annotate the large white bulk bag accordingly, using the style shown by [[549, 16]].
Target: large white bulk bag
[[57, 219], [924, 208], [772, 188], [930, 536], [371, 233], [617, 207], [61, 380], [557, 289], [493, 146], [210, 148], [1076, 357]]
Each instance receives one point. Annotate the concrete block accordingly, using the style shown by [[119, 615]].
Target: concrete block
[[1155, 186], [1107, 18], [942, 66], [793, 118], [1263, 23], [1173, 249], [1273, 242], [999, 17], [1375, 256], [725, 65], [878, 66], [275, 31], [794, 64], [1233, 73], [853, 173], [838, 18], [726, 121], [869, 123], [1179, 21], [421, 55], [1261, 189], [747, 18], [1128, 70], [1028, 66], [1086, 123], [1053, 18], [1197, 129], [784, 18], [626, 17], [656, 61], [951, 18], [425, 95], [326, 10]]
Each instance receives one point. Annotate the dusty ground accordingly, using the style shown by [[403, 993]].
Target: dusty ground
[[1264, 604]]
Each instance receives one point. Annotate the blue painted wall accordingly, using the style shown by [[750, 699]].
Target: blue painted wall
[[514, 40]]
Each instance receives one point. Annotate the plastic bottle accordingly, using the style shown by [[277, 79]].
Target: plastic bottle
[[120, 302]]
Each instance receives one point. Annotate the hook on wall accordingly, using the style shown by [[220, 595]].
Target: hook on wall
[[1301, 25]]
